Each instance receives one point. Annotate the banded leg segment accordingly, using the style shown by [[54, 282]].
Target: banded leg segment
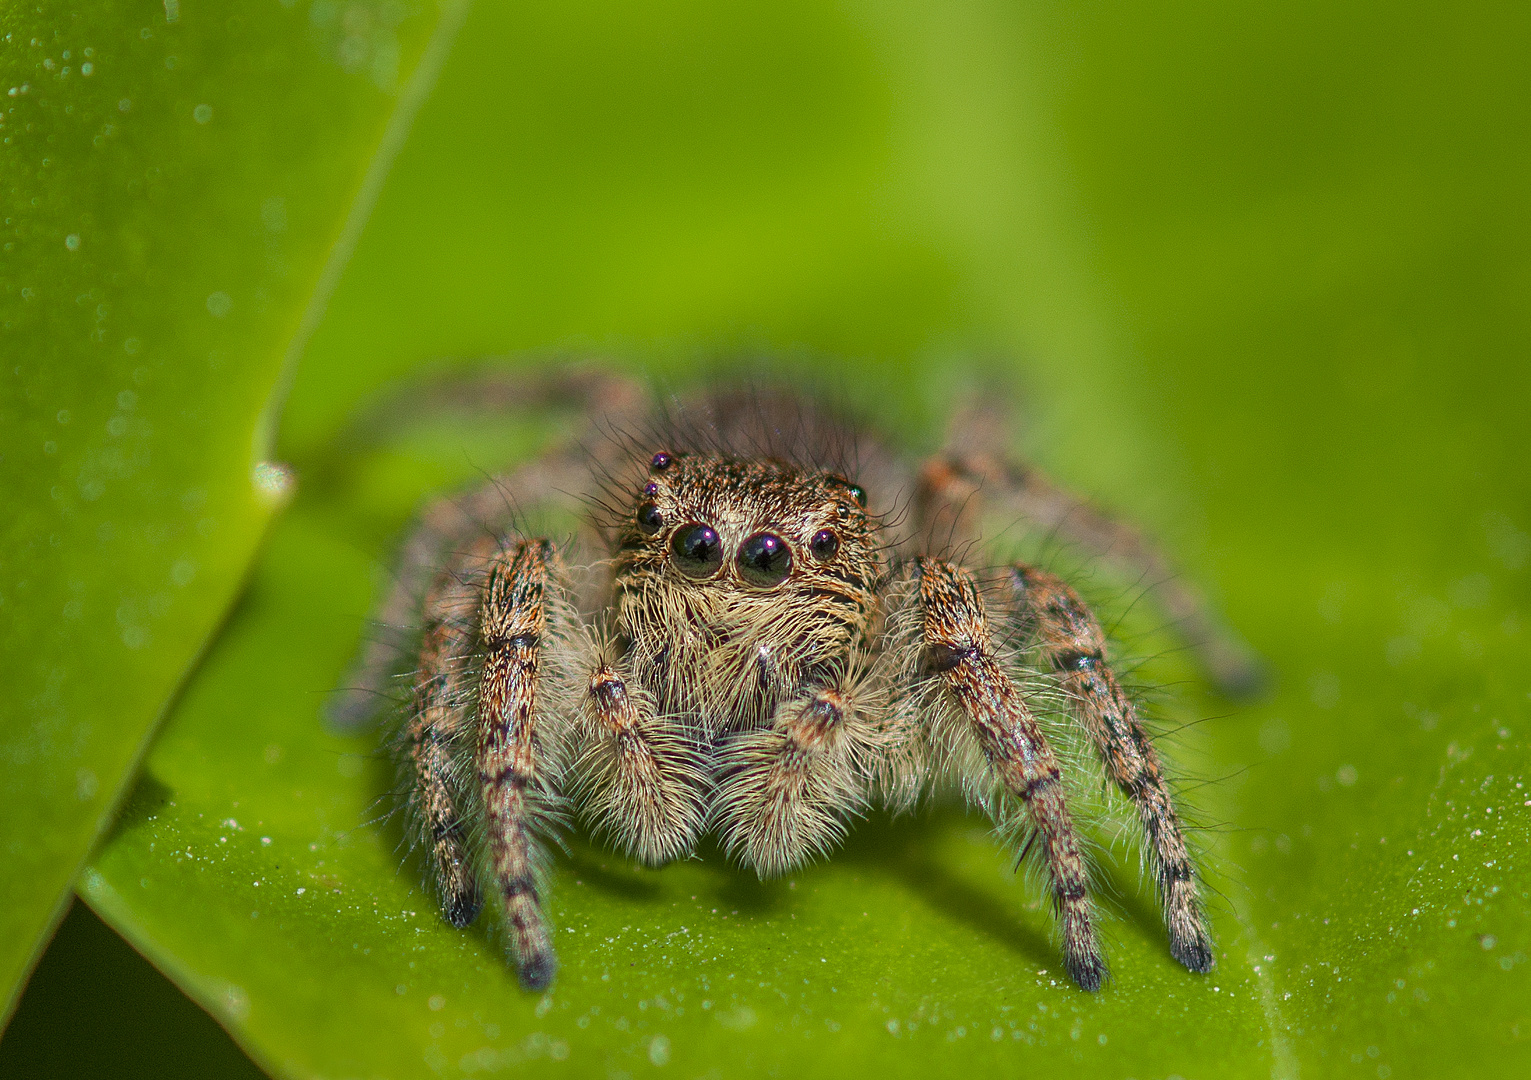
[[639, 778], [960, 650], [784, 799], [435, 736], [955, 487], [512, 756], [1072, 642]]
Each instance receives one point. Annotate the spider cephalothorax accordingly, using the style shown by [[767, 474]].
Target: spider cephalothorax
[[739, 582], [750, 638]]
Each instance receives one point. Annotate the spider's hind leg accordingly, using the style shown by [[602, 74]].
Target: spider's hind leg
[[1073, 644], [446, 526], [435, 740], [975, 471]]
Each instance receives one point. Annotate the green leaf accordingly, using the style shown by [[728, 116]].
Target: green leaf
[[1292, 348], [174, 182]]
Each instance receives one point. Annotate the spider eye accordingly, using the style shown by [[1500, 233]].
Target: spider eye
[[856, 491], [824, 545], [764, 560], [650, 520], [698, 551], [660, 461]]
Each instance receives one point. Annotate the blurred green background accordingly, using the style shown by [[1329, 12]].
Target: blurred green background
[[1259, 279]]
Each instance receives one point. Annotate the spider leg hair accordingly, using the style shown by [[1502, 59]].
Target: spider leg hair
[[435, 736], [639, 778], [1072, 643], [960, 651], [787, 788], [447, 524], [521, 720], [975, 470]]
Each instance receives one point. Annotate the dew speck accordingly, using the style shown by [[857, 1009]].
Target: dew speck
[[85, 785], [219, 304], [202, 114], [72, 241], [659, 1050], [273, 481]]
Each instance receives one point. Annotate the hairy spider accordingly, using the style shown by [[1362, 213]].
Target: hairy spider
[[764, 627]]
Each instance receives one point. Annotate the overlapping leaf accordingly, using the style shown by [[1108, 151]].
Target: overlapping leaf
[[173, 183]]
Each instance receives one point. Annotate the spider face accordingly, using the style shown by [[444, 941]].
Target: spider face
[[737, 578]]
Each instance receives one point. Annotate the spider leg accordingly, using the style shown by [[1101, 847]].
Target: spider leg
[[433, 740], [785, 789], [491, 388], [960, 650], [448, 524], [639, 777], [1072, 642], [512, 756], [954, 487]]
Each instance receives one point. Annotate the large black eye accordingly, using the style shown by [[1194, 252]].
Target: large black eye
[[764, 560], [698, 551], [824, 545], [649, 518]]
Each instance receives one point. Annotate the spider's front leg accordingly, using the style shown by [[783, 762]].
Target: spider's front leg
[[960, 649], [785, 789], [512, 759], [639, 778], [1072, 642]]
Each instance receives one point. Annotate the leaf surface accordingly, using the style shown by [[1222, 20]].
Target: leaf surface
[[1288, 347], [174, 181]]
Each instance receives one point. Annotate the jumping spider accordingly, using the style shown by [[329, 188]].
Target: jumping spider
[[763, 628]]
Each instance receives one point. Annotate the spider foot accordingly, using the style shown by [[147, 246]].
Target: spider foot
[[1194, 950], [461, 908], [537, 971], [1088, 970]]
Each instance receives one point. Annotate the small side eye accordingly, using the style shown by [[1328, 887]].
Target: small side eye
[[824, 545], [698, 551], [857, 492], [650, 520], [764, 560]]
